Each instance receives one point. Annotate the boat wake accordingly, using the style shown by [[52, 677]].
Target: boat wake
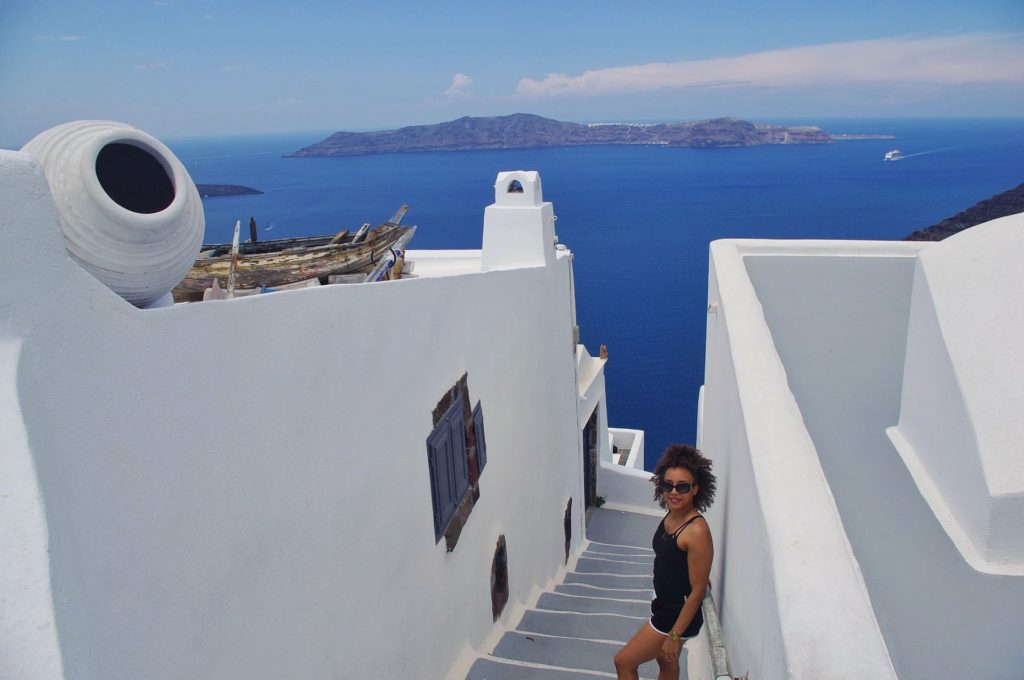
[[904, 157]]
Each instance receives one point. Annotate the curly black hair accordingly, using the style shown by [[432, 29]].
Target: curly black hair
[[686, 456]]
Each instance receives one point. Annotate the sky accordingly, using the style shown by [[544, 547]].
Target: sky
[[179, 68]]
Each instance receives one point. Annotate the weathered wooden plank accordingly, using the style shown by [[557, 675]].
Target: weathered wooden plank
[[361, 234], [276, 268], [233, 267]]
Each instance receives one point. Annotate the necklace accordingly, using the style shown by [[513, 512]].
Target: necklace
[[671, 534]]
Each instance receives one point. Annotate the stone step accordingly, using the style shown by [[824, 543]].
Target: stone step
[[619, 528], [614, 549], [627, 582], [601, 565], [616, 628], [592, 605], [640, 594], [493, 669], [562, 652], [619, 557]]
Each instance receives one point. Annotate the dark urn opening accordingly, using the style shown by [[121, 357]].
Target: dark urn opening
[[134, 178]]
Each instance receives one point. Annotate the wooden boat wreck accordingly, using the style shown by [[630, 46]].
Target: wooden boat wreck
[[280, 262]]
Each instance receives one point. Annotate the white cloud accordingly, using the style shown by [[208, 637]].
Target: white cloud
[[462, 86], [950, 60], [231, 67], [58, 38]]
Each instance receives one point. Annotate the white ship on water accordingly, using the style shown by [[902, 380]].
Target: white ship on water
[[893, 155], [298, 484]]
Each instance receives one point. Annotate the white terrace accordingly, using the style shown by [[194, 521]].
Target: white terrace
[[393, 479], [862, 402], [264, 486]]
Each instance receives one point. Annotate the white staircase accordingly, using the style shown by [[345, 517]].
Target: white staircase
[[575, 630]]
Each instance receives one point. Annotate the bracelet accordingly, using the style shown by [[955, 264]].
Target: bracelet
[[673, 635]]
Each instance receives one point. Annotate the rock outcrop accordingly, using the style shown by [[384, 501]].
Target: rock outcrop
[[1007, 203], [212, 190]]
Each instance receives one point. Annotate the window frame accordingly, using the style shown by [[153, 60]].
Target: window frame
[[481, 442]]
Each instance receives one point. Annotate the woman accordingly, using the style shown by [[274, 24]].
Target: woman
[[685, 485]]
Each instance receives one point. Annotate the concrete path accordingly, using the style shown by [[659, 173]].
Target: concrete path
[[575, 630]]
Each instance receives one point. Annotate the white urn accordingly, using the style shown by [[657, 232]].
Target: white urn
[[130, 213]]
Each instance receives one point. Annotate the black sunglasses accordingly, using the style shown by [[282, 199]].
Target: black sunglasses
[[682, 487]]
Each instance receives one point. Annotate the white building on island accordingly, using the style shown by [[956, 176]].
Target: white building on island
[[383, 480]]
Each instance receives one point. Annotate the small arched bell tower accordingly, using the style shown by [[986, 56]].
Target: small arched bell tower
[[519, 227]]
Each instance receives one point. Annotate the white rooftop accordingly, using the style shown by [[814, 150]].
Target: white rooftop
[[862, 404], [960, 431]]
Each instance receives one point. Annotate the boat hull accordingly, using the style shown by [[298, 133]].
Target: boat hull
[[281, 262]]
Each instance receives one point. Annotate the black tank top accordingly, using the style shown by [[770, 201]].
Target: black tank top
[[671, 571]]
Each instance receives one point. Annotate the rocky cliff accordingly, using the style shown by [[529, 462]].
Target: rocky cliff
[[526, 131], [1007, 203]]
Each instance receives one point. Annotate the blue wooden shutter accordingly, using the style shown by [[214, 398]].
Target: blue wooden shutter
[[439, 446], [460, 463], [481, 443], [449, 467]]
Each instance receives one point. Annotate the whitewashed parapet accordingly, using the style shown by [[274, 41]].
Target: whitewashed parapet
[[590, 384], [627, 488], [960, 431], [630, 444], [794, 602], [188, 539], [519, 227], [28, 644]]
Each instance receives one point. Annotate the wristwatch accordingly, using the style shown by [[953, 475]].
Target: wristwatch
[[673, 636]]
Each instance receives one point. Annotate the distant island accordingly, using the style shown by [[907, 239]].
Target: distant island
[[1009, 202], [214, 190], [528, 131]]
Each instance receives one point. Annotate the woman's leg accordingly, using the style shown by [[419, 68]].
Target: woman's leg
[[644, 646], [669, 670]]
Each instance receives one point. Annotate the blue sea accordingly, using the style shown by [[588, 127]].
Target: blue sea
[[639, 220]]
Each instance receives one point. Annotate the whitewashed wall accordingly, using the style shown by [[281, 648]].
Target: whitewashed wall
[[792, 600], [28, 632], [960, 432], [842, 342], [240, 489], [27, 620], [627, 488], [741, 578]]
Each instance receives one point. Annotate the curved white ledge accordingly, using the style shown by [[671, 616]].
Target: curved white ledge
[[960, 432]]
